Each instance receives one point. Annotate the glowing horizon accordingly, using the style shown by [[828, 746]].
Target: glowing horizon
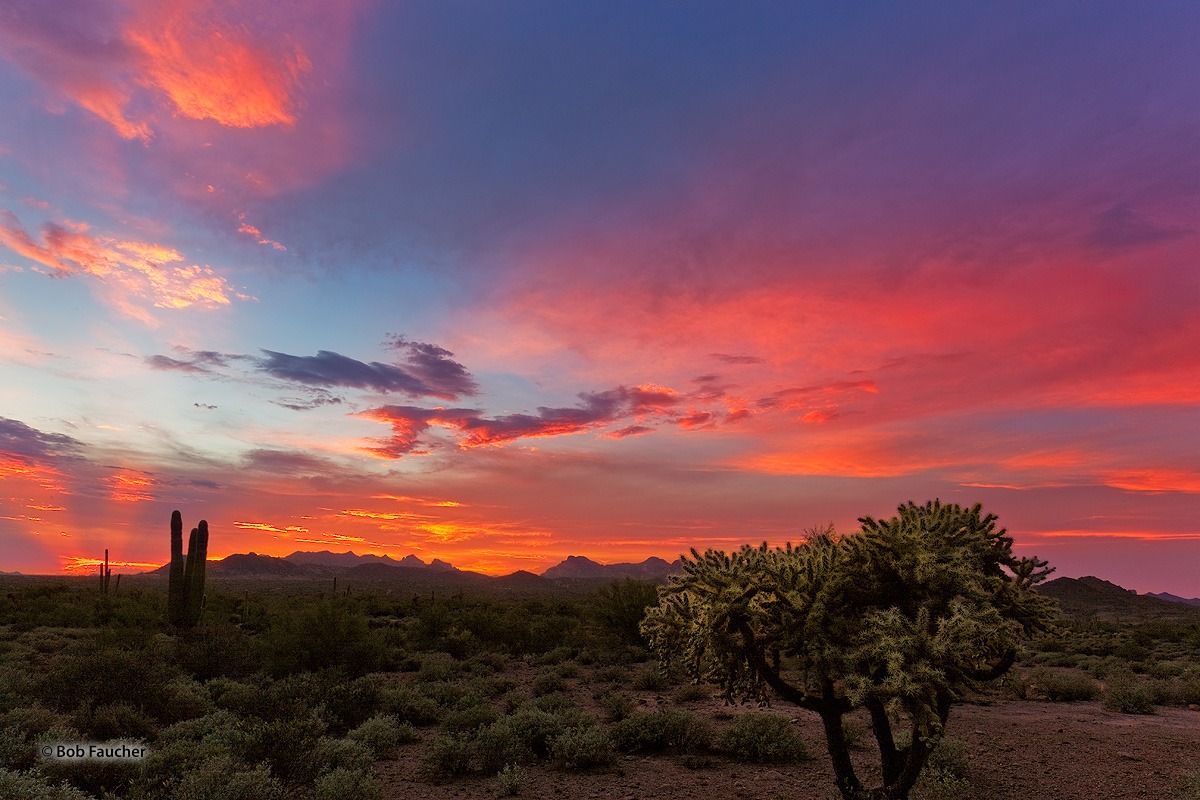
[[502, 284]]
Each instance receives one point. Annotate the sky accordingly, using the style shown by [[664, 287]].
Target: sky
[[504, 282]]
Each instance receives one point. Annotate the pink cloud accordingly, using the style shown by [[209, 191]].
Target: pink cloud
[[129, 270]]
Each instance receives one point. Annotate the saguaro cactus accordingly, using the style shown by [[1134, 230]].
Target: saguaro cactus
[[185, 588], [106, 574]]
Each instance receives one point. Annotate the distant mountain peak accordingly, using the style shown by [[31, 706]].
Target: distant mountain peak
[[653, 568], [350, 559]]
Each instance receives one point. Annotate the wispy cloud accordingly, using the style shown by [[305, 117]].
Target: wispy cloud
[[130, 270]]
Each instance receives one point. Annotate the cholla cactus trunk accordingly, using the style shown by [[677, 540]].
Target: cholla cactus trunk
[[175, 585]]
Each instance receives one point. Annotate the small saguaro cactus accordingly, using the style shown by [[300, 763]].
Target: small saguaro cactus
[[185, 587], [106, 574]]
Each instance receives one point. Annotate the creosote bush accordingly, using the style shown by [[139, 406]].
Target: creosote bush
[[1067, 685], [1128, 694], [656, 731], [763, 738]]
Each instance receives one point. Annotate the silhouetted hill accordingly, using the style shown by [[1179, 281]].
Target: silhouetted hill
[[1091, 598], [1174, 598], [350, 559], [253, 564], [582, 567]]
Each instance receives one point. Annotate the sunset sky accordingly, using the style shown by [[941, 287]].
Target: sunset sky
[[502, 282]]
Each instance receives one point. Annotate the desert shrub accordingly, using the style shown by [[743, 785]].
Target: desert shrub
[[548, 682], [109, 666], [692, 692], [763, 738], [326, 634], [1068, 685], [29, 786], [226, 778], [510, 781], [287, 746], [410, 706], [16, 751], [488, 661], [1126, 693], [621, 605], [946, 773], [381, 734], [651, 678], [267, 699], [655, 731], [1189, 786], [448, 757], [18, 729], [497, 745], [492, 685], [331, 752], [1187, 691], [557, 656], [613, 673], [616, 705], [346, 784], [114, 721], [216, 648], [582, 748], [466, 721], [347, 705], [450, 694]]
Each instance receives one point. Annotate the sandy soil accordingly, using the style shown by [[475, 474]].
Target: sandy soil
[[1017, 750]]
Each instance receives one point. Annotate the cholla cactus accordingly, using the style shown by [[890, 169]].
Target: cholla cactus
[[898, 619], [185, 589]]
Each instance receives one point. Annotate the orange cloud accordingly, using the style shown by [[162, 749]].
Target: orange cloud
[[128, 268], [213, 69], [81, 564], [129, 488], [263, 526], [1154, 480]]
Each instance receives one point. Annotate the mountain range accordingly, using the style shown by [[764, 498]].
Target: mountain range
[[304, 564], [1087, 596]]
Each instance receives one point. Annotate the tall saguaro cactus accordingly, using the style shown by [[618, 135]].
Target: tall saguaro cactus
[[185, 588], [106, 574]]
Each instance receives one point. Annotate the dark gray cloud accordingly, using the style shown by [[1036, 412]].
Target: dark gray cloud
[[421, 370], [595, 411], [434, 365], [728, 359], [193, 361], [31, 445]]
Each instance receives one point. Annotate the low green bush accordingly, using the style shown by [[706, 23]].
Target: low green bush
[[1128, 694], [655, 731], [382, 734], [510, 781], [1064, 685], [548, 682], [30, 786], [764, 738], [466, 721], [582, 748], [947, 772], [347, 784]]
